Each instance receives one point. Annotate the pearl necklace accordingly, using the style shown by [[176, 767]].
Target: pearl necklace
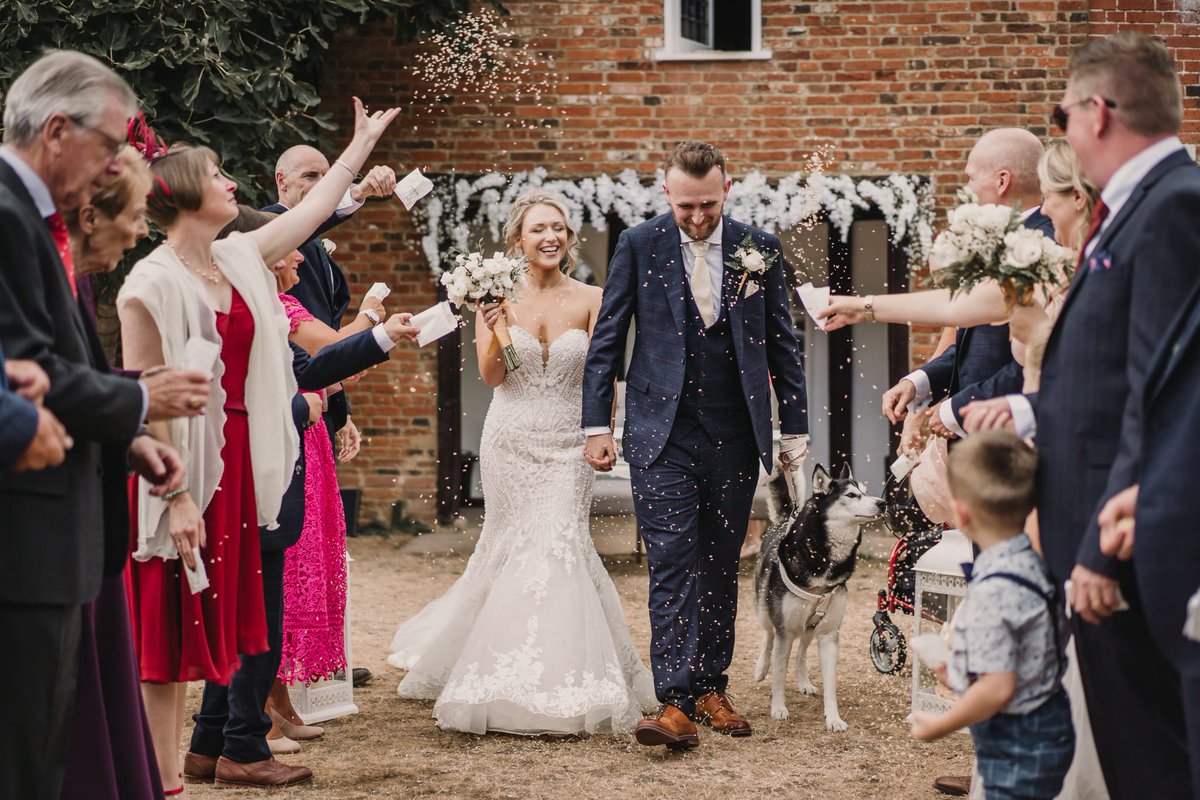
[[213, 277]]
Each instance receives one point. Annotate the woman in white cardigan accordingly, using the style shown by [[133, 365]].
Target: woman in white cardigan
[[190, 299]]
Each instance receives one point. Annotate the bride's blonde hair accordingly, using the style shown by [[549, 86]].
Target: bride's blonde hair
[[1059, 171], [516, 219]]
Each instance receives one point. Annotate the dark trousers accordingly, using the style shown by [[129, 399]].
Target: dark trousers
[[232, 722], [1190, 686], [1135, 705], [35, 715], [693, 506]]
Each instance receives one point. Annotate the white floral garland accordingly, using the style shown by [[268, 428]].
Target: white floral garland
[[904, 201]]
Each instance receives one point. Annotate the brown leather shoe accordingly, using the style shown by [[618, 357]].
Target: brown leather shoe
[[953, 785], [198, 768], [715, 711], [260, 773], [671, 727]]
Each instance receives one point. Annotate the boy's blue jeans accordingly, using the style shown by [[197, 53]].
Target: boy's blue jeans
[[1026, 756]]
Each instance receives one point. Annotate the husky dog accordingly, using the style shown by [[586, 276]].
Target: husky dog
[[807, 556]]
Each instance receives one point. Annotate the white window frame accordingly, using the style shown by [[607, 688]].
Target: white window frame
[[677, 48]]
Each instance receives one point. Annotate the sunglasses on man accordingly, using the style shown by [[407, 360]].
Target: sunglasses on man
[[1059, 115]]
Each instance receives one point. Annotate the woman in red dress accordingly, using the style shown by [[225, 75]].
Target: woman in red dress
[[187, 300]]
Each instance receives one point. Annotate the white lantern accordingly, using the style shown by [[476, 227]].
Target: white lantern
[[940, 587], [331, 697]]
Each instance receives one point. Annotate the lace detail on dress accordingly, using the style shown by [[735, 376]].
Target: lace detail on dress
[[531, 638], [296, 312]]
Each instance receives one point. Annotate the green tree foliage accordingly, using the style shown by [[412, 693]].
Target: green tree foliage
[[240, 76]]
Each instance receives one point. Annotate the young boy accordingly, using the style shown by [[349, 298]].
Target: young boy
[[1008, 635]]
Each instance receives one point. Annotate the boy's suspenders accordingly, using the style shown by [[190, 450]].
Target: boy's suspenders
[[1051, 600]]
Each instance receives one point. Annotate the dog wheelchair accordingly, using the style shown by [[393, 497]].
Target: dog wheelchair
[[915, 535]]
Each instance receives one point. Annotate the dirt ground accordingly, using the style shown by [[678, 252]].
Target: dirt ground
[[392, 749]]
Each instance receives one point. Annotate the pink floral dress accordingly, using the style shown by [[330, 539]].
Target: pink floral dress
[[314, 577]]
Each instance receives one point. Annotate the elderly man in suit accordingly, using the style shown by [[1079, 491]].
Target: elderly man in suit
[[714, 336], [64, 124], [1121, 112]]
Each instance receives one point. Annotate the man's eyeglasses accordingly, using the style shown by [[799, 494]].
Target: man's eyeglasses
[[115, 145], [1059, 115]]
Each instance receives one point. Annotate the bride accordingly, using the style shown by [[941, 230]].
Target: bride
[[531, 639]]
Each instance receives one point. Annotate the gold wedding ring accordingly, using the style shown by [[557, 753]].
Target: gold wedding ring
[[195, 402]]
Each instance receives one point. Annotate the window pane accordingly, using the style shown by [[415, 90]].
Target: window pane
[[694, 21]]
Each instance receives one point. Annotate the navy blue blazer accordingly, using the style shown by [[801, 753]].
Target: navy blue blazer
[[979, 365], [53, 550], [18, 422], [646, 282], [1167, 552], [1142, 269], [325, 292]]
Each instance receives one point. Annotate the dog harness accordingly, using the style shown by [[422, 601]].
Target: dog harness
[[822, 599]]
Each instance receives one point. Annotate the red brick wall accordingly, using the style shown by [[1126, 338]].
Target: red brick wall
[[894, 85]]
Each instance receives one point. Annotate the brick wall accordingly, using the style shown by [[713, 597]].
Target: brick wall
[[894, 85]]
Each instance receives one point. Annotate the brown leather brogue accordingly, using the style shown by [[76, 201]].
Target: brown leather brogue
[[953, 785], [260, 773], [671, 727], [715, 711], [198, 768]]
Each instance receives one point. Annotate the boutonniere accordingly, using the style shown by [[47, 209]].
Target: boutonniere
[[749, 260], [329, 246]]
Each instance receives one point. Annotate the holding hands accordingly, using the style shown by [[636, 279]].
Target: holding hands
[[601, 452]]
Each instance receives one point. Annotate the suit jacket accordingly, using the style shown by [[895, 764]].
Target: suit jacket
[[325, 292], [52, 551], [18, 422], [646, 280], [1167, 552], [1141, 270], [979, 365]]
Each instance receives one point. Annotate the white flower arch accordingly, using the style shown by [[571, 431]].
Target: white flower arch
[[904, 201]]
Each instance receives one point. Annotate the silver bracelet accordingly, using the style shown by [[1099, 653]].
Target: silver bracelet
[[345, 166], [169, 496]]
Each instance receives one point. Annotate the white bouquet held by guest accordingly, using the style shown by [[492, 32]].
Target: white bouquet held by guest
[[488, 280], [988, 242]]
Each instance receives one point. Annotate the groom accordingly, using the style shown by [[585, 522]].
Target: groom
[[713, 335]]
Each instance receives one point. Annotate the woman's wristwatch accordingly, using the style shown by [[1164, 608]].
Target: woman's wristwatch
[[869, 307], [371, 314]]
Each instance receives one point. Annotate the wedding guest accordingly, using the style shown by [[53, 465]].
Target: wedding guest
[[233, 719], [1006, 659], [220, 293], [64, 128], [511, 645], [111, 754], [31, 437], [1121, 112], [1166, 565], [1002, 169]]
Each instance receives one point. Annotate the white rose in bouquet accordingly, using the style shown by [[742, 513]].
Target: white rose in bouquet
[[947, 249], [1023, 248], [488, 280]]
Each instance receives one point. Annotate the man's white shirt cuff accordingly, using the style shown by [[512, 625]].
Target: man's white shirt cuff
[[1024, 420], [597, 430], [946, 412], [348, 205], [921, 381], [382, 339]]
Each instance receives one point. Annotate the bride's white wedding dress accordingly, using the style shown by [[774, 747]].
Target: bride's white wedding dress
[[531, 639]]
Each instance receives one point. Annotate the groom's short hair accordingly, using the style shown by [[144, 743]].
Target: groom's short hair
[[695, 158], [1136, 72]]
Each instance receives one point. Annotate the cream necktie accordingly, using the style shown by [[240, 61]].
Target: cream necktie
[[702, 282]]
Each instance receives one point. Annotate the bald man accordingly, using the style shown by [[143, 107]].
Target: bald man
[[323, 289]]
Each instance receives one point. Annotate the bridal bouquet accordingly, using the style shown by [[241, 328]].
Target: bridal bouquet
[[488, 280], [988, 242]]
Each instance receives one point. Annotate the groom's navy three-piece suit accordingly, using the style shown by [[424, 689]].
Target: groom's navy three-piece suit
[[697, 425]]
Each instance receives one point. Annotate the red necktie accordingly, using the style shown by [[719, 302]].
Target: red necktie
[[1099, 214], [62, 241]]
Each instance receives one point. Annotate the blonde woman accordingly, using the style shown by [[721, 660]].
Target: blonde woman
[[531, 639]]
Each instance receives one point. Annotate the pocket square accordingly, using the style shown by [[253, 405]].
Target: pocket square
[[1101, 259], [751, 288]]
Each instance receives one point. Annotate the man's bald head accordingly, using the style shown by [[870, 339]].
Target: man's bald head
[[297, 170], [1002, 167]]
